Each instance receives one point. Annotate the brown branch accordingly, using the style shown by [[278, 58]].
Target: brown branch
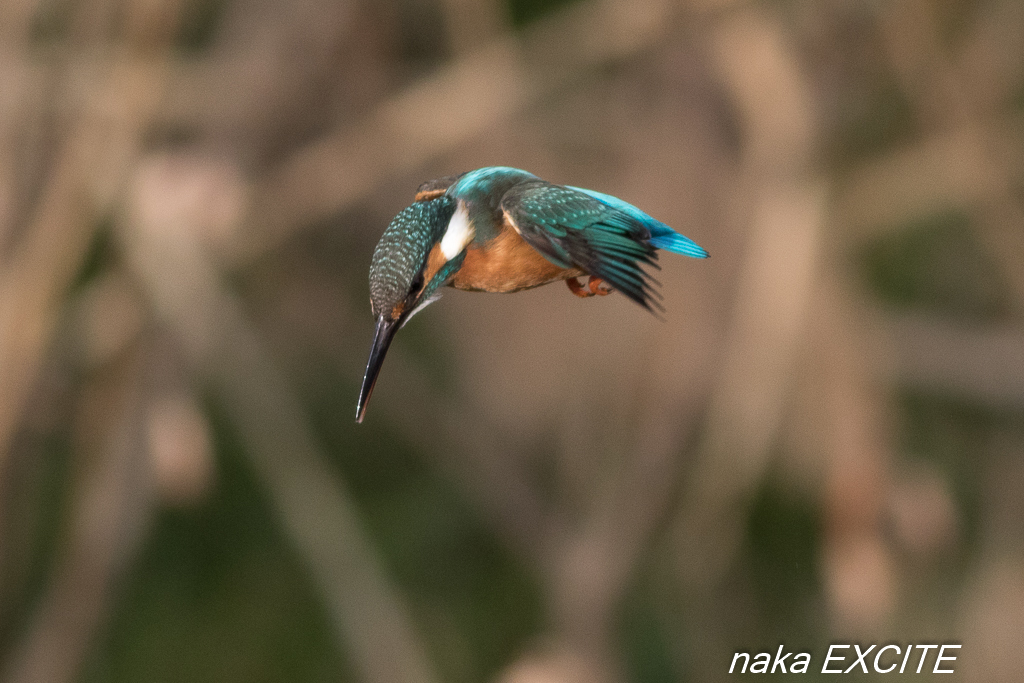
[[946, 170], [81, 186], [956, 91], [857, 449], [778, 275]]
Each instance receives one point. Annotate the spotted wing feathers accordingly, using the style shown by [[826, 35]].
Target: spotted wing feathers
[[573, 229], [662, 236]]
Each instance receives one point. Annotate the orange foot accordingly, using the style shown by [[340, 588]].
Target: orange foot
[[593, 287]]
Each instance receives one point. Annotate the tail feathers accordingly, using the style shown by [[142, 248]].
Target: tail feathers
[[670, 240], [662, 236]]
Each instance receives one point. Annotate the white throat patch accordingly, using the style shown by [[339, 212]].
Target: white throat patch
[[459, 234]]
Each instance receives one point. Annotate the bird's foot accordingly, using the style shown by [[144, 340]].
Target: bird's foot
[[592, 288], [596, 288], [576, 288]]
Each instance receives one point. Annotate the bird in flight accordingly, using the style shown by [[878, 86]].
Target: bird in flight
[[500, 229]]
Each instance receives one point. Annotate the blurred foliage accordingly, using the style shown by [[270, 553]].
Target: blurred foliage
[[646, 637], [35, 516], [522, 12], [881, 118], [199, 27], [936, 264], [784, 542], [953, 435], [219, 592], [218, 595]]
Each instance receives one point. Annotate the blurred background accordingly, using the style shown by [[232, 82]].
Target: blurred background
[[823, 440]]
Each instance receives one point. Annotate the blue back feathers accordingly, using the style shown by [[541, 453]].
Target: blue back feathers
[[482, 191], [486, 186], [488, 182]]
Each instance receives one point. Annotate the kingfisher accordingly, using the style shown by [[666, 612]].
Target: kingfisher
[[500, 229]]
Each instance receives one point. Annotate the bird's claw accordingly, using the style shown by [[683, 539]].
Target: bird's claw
[[593, 287], [576, 288], [596, 288]]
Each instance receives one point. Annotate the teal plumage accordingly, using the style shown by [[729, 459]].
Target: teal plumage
[[399, 256], [662, 236], [482, 191], [502, 229], [573, 227]]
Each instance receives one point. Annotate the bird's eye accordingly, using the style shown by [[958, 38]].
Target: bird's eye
[[417, 282]]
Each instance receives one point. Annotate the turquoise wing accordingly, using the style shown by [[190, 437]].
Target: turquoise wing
[[573, 229], [662, 236]]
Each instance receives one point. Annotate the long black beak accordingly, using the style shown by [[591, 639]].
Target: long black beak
[[381, 341]]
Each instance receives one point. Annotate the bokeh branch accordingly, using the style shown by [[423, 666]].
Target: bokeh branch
[[160, 235], [462, 101], [108, 523], [826, 422], [786, 205], [85, 176]]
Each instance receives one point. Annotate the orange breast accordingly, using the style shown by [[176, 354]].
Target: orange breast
[[507, 264]]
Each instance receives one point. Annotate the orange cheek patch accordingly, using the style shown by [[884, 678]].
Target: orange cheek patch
[[435, 261], [397, 311]]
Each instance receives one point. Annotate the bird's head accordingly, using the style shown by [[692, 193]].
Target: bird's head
[[413, 260]]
